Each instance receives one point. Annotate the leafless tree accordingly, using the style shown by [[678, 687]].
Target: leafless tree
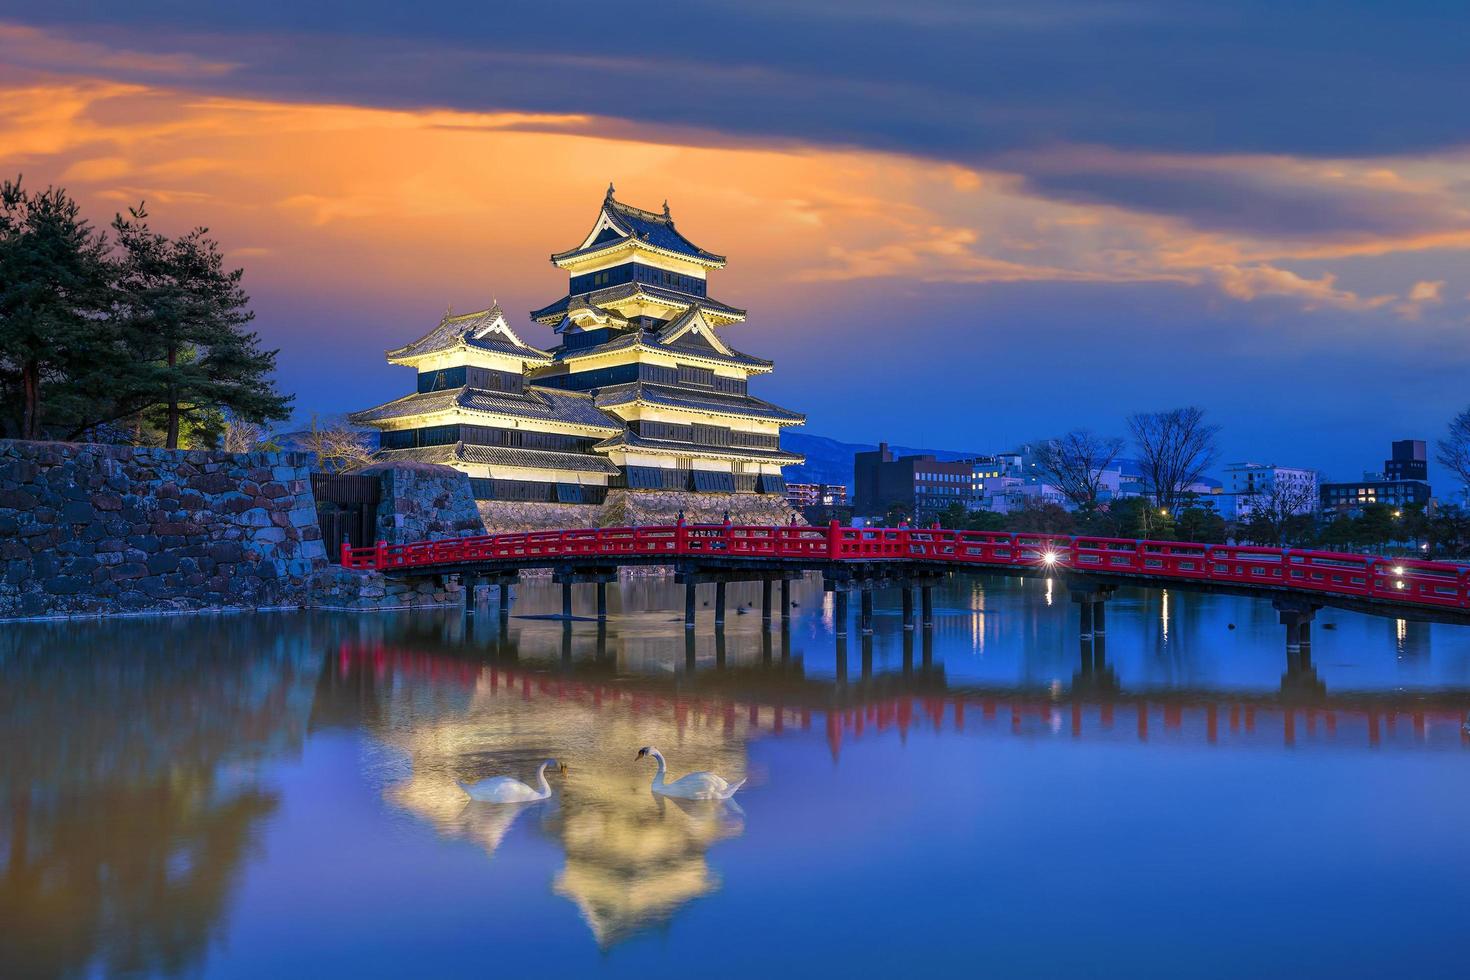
[[1175, 447], [337, 446], [1074, 464], [1280, 512], [241, 436], [1454, 448]]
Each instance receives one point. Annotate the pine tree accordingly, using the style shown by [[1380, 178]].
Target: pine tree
[[186, 316], [57, 345]]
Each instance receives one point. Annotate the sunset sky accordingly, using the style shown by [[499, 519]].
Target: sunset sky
[[954, 224]]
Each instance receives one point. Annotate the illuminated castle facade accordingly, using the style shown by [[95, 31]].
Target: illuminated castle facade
[[640, 393]]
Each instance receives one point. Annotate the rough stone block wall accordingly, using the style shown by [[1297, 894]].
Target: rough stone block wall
[[88, 529], [507, 516], [424, 502], [344, 588], [626, 507]]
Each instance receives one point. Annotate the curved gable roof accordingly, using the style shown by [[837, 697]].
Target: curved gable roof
[[618, 222]]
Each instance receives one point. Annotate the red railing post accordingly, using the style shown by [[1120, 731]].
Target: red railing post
[[346, 557], [834, 539], [379, 554], [681, 536]]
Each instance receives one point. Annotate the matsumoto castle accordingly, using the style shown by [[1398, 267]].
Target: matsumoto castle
[[641, 393]]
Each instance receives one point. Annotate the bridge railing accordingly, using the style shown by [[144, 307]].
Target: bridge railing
[[1410, 581]]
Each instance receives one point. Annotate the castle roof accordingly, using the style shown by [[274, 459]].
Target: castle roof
[[536, 403], [633, 440], [674, 339], [543, 459], [484, 330], [619, 223], [704, 402], [599, 299]]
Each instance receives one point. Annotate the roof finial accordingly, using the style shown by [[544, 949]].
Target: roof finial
[[666, 210], [448, 310], [609, 190]]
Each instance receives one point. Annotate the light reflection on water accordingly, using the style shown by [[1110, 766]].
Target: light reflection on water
[[253, 794]]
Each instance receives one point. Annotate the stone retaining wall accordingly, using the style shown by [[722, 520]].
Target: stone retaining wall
[[627, 507], [424, 502], [344, 588], [89, 529]]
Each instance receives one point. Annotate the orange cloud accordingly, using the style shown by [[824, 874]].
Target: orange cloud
[[1252, 282], [343, 200]]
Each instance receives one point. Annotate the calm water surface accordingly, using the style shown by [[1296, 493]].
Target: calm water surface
[[274, 795]]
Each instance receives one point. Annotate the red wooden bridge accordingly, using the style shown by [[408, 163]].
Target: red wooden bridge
[[866, 557]]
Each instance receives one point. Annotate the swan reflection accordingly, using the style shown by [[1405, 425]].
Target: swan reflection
[[633, 859]]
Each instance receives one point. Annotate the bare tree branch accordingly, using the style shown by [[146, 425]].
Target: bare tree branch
[[1276, 510], [1176, 447], [1454, 448], [241, 436], [337, 446], [1074, 464]]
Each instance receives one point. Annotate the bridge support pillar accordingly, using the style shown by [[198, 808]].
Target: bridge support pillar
[[908, 649], [839, 614], [1296, 616], [908, 606], [689, 590], [926, 596], [785, 601], [602, 602], [566, 600], [689, 649], [927, 650], [1099, 617], [865, 612], [766, 602], [719, 604], [841, 668], [502, 599], [867, 648], [471, 583]]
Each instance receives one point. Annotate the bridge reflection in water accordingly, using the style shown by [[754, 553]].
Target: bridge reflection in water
[[590, 693]]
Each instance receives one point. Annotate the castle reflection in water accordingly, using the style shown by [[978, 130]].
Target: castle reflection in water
[[137, 776]]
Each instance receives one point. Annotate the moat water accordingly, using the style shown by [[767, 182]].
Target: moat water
[[275, 795]]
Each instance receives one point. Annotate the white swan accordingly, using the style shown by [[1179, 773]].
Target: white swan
[[504, 789], [695, 786]]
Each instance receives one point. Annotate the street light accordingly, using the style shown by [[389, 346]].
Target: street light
[[1049, 558]]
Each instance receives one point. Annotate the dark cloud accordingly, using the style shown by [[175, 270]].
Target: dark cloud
[[958, 80], [1254, 202]]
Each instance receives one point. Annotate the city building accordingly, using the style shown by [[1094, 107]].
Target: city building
[[1351, 497], [920, 486], [641, 392], [1250, 486], [819, 503], [803, 495], [1403, 482], [1408, 460]]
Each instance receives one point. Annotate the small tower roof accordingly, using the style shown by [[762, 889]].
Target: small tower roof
[[618, 223], [485, 330]]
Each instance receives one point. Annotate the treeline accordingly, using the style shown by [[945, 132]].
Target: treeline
[[132, 336], [1381, 529]]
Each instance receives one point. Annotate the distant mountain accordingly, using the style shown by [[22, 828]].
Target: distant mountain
[[830, 461]]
